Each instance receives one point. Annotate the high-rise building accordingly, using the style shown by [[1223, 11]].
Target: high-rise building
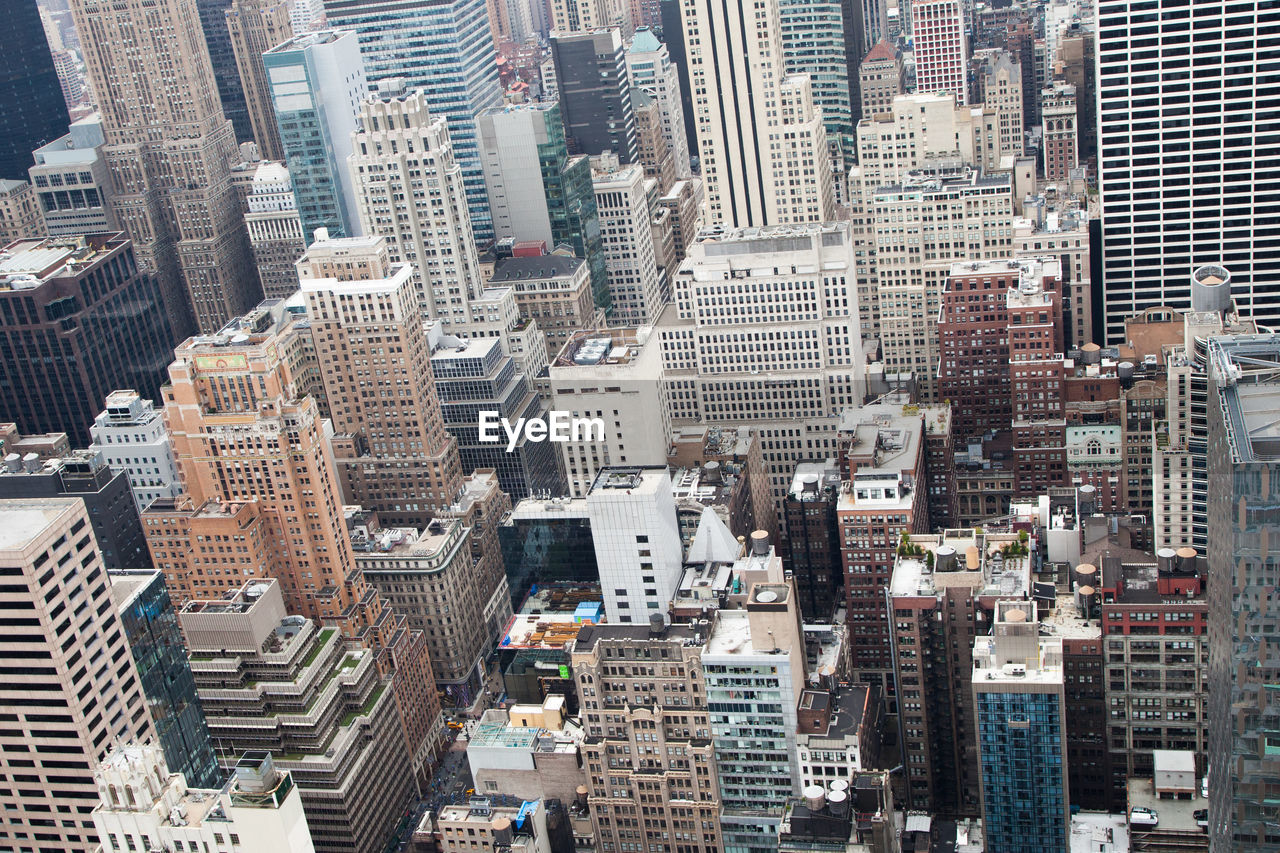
[[940, 47], [637, 542], [942, 593], [73, 183], [400, 145], [1243, 464], [651, 70], [169, 150], [824, 41], [256, 26], [1208, 209], [217, 38], [317, 82], [1180, 463], [791, 329], [257, 666], [653, 668], [684, 201], [31, 100], [655, 153], [882, 499], [84, 474], [755, 125], [131, 436], [754, 662], [554, 290], [1061, 142], [636, 284], [275, 230], [575, 16], [476, 375], [145, 803], [595, 93], [393, 455], [50, 559], [1018, 695], [999, 81], [150, 624], [961, 216], [80, 320], [879, 79], [812, 534], [536, 190], [19, 212], [446, 50]]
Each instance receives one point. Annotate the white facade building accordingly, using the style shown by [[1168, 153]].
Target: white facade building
[[637, 541], [131, 436], [622, 200], [650, 68], [509, 140], [764, 331], [142, 806], [762, 145], [409, 189], [275, 229], [941, 47], [614, 375]]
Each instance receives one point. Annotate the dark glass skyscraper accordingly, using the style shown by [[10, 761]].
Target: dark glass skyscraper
[[595, 95], [32, 111], [213, 20], [151, 629]]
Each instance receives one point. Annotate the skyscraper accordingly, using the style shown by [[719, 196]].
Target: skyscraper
[[824, 40], [755, 124], [650, 68], [317, 83], [941, 47], [32, 110], [256, 26], [536, 190], [446, 50], [51, 565], [392, 452], [150, 624], [275, 230], [1178, 153], [401, 144], [223, 59], [80, 321], [595, 93], [1244, 470], [169, 149], [1019, 699]]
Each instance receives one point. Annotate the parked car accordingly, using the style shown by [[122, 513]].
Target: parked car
[[1139, 816], [1202, 818]]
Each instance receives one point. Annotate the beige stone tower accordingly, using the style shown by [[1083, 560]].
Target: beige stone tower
[[256, 26], [169, 150]]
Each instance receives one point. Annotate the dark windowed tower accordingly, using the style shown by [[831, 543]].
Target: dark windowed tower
[[32, 111]]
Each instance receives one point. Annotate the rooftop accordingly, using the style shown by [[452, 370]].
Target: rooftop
[[23, 521], [1099, 832], [1174, 815], [515, 269], [589, 635], [632, 480], [27, 264], [1245, 368], [835, 715], [127, 583], [812, 480], [962, 558]]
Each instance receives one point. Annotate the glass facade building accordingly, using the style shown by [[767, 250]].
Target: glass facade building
[[478, 377], [446, 50], [1244, 520], [32, 111], [547, 542], [317, 82], [1020, 744], [571, 206], [151, 629]]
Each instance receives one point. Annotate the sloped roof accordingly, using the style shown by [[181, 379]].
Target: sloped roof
[[713, 542], [645, 42], [882, 51]]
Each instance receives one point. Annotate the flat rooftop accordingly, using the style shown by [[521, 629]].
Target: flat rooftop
[[1175, 815], [634, 481], [1099, 832], [23, 521], [549, 508], [27, 264], [127, 583]]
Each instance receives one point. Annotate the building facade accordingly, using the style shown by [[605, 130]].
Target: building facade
[[50, 562], [81, 319], [594, 90], [131, 437], [34, 111], [275, 230], [256, 26], [317, 81]]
